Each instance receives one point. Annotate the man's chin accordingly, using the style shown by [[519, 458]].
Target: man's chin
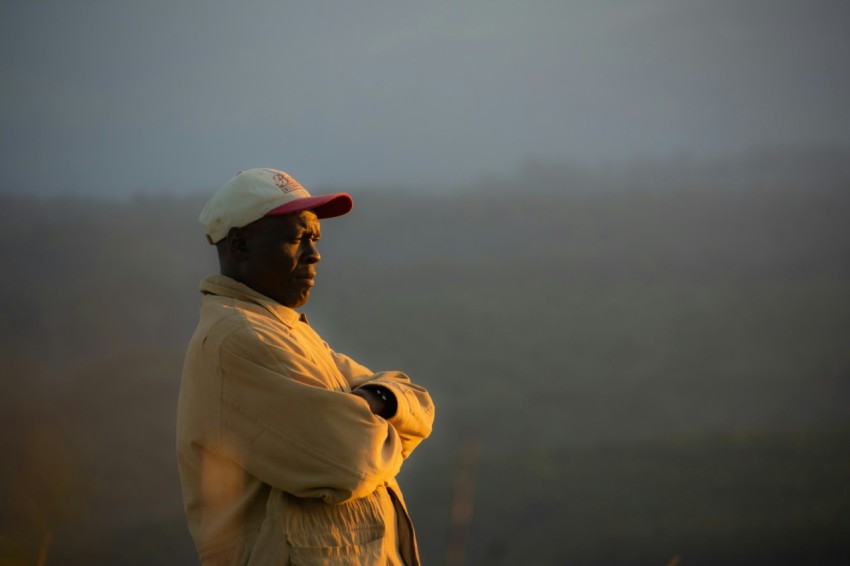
[[298, 301]]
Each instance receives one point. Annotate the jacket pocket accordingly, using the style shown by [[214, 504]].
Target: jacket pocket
[[368, 554], [320, 533]]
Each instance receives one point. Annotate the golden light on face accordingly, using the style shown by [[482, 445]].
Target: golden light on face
[[283, 256]]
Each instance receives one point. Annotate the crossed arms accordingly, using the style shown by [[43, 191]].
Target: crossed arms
[[283, 423]]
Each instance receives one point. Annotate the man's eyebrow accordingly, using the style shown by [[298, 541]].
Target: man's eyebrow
[[302, 231]]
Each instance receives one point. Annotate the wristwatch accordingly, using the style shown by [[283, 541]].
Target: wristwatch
[[387, 396]]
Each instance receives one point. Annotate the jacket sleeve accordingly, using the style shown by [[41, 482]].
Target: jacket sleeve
[[414, 416], [280, 423]]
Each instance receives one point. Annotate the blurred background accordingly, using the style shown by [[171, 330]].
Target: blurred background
[[611, 238]]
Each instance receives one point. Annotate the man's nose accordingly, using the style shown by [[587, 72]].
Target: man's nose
[[311, 253]]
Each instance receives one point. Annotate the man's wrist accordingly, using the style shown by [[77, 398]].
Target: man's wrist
[[389, 404]]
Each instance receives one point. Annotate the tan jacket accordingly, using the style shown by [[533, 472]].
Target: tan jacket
[[279, 463]]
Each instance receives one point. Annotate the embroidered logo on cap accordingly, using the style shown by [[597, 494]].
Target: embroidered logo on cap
[[285, 183]]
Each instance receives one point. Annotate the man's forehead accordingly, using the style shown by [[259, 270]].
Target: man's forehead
[[303, 220], [286, 223], [306, 219]]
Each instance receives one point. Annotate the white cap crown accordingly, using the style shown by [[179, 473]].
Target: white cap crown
[[255, 193]]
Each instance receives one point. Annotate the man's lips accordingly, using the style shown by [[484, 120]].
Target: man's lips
[[306, 278]]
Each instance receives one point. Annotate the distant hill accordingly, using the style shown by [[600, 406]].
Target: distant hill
[[559, 312], [776, 167]]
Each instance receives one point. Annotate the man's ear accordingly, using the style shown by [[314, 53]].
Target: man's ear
[[237, 243]]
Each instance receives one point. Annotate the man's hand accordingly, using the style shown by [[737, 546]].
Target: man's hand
[[382, 401]]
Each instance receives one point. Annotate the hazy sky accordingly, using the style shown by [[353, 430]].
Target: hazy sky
[[115, 96]]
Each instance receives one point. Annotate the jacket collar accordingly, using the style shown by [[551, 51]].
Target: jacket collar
[[223, 286]]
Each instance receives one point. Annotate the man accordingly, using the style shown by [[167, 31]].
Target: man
[[287, 450]]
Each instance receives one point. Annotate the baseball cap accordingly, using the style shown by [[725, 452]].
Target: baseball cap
[[255, 193]]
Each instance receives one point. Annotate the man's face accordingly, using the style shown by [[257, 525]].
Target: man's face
[[282, 256]]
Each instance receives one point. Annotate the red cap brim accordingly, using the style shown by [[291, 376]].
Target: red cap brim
[[325, 206]]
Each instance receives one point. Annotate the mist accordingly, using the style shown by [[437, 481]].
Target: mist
[[115, 97]]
